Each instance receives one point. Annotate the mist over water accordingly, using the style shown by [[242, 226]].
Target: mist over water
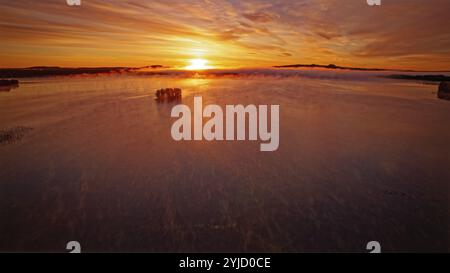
[[316, 73], [361, 158]]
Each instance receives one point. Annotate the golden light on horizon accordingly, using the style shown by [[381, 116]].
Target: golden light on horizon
[[198, 64]]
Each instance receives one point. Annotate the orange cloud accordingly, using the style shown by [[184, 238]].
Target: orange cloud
[[408, 34]]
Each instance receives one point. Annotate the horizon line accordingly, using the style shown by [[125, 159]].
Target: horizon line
[[298, 65]]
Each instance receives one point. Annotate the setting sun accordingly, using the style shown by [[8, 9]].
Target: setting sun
[[198, 64]]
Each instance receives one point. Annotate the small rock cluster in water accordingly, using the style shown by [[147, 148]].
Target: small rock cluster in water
[[168, 94], [12, 135], [7, 85], [444, 91]]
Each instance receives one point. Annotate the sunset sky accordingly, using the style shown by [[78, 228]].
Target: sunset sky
[[408, 34]]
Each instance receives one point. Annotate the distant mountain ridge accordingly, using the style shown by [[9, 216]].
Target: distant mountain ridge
[[333, 66], [44, 71], [330, 66]]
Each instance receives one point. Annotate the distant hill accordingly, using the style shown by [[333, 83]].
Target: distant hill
[[330, 66], [333, 66], [44, 71]]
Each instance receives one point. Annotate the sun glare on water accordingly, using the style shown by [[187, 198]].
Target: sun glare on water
[[198, 64]]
